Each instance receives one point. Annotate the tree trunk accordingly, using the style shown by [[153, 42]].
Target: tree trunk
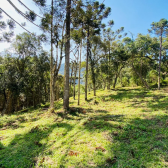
[[93, 76], [79, 74], [94, 87], [75, 72], [74, 89], [104, 84], [67, 53], [57, 92], [116, 77], [87, 56], [5, 98], [51, 62], [45, 92], [160, 54], [109, 81], [71, 75], [115, 81], [6, 105]]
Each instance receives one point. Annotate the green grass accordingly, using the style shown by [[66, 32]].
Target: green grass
[[126, 128]]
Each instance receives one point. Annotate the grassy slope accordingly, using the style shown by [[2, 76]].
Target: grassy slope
[[125, 128]]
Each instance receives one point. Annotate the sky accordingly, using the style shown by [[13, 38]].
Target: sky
[[137, 15], [134, 15]]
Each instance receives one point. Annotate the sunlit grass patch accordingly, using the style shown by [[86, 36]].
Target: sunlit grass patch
[[122, 128]]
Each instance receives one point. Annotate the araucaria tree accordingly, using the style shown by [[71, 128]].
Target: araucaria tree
[[6, 36], [91, 16], [67, 55], [53, 23], [161, 29]]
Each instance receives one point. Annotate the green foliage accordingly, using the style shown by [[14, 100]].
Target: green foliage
[[125, 82], [152, 76], [160, 27], [25, 73], [31, 15], [6, 36], [40, 2]]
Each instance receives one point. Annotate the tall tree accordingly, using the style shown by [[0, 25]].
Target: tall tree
[[67, 55], [93, 17], [161, 29], [132, 51], [109, 37], [24, 74], [53, 23], [78, 36], [94, 57], [51, 60], [119, 61]]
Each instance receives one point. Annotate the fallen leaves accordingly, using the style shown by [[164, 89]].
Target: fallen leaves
[[72, 153], [100, 148], [84, 111], [4, 128], [1, 138]]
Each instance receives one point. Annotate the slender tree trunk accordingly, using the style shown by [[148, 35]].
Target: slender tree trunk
[[74, 81], [87, 58], [5, 98], [45, 92], [74, 86], [115, 81], [160, 55], [71, 75], [6, 105], [67, 53], [57, 92], [93, 76], [116, 77], [51, 62], [104, 84], [94, 87], [33, 99], [109, 81], [79, 74]]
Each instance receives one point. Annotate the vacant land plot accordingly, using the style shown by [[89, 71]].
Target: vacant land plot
[[123, 128]]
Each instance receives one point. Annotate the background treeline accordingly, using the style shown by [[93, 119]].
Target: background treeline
[[24, 79], [107, 58]]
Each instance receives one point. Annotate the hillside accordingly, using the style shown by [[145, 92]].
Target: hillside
[[123, 128], [61, 71]]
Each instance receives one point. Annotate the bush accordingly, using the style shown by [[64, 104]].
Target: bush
[[125, 81]]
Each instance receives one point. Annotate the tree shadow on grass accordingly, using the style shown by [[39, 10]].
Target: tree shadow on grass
[[100, 122], [23, 150], [139, 143], [126, 94], [157, 102]]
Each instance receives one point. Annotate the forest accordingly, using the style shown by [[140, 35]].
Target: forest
[[98, 97]]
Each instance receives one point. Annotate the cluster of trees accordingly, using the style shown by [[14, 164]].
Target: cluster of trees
[[30, 76], [24, 79]]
